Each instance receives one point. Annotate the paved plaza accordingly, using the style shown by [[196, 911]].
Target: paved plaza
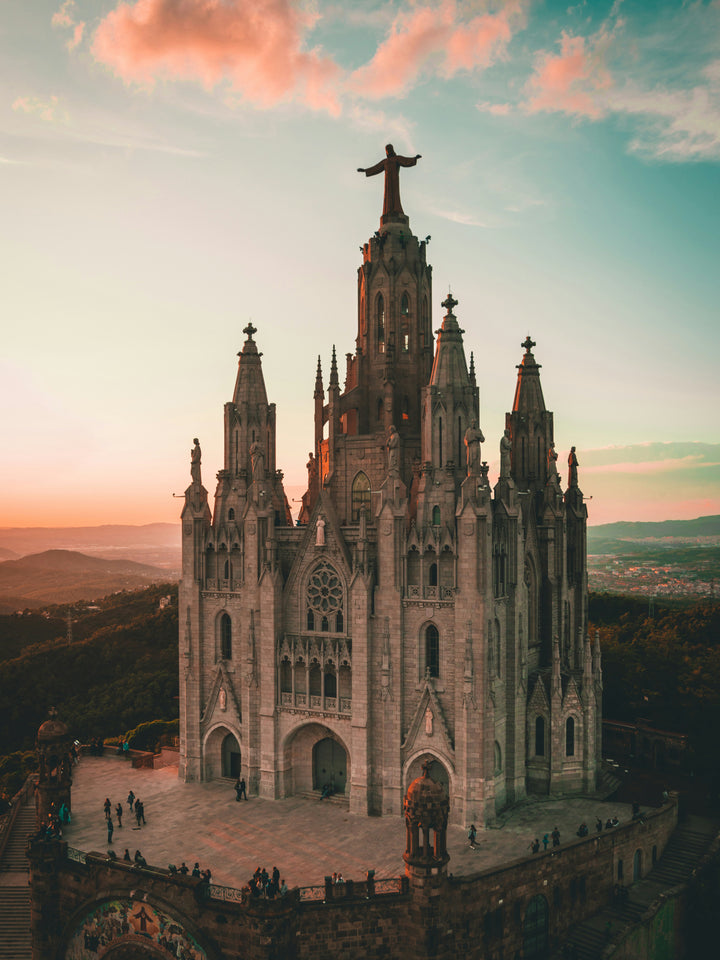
[[306, 838]]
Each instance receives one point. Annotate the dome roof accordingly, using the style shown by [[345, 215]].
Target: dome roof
[[52, 729], [426, 801]]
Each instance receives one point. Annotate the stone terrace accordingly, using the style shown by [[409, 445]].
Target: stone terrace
[[306, 838]]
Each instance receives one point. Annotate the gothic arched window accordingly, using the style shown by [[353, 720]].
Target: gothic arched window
[[231, 514], [432, 575], [570, 737], [432, 650], [436, 516], [360, 495], [325, 597], [380, 322], [539, 736], [225, 637], [405, 304]]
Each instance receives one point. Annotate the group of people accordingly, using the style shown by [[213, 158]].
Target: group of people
[[554, 836], [137, 809], [263, 884], [139, 859], [95, 747], [240, 793], [609, 823]]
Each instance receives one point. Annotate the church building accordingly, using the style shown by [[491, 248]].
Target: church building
[[414, 613]]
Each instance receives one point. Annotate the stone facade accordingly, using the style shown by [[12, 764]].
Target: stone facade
[[414, 613]]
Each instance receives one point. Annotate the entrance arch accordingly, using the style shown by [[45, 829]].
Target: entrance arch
[[313, 755], [535, 928], [222, 756], [329, 765]]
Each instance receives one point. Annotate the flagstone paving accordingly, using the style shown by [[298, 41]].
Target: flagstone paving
[[306, 838]]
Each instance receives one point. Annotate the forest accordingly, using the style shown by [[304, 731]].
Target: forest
[[119, 669]]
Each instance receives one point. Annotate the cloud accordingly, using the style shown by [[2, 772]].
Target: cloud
[[572, 80], [611, 74], [48, 110], [65, 17], [255, 46], [434, 40]]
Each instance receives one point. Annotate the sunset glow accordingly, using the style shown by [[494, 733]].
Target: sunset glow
[[170, 170]]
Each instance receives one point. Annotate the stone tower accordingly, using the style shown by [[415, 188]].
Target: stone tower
[[54, 749], [415, 615]]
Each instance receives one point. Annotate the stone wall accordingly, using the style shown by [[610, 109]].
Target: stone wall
[[437, 916]]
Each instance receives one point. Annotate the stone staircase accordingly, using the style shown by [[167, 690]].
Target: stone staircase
[[588, 940], [14, 890]]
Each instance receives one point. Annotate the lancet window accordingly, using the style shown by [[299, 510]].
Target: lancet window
[[360, 495]]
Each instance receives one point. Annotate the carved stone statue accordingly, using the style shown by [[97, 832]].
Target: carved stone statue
[[393, 452], [223, 698], [429, 722], [195, 458], [572, 468], [320, 532], [473, 438], [257, 460], [391, 167], [552, 462], [505, 452], [311, 468]]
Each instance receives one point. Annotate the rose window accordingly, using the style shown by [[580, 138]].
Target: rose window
[[325, 591]]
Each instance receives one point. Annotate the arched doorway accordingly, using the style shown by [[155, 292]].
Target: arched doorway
[[535, 929], [329, 766], [231, 757], [438, 772]]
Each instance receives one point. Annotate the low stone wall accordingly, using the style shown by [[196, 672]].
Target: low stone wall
[[437, 916]]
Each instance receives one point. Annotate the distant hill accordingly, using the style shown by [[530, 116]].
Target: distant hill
[[6, 554], [65, 576], [629, 530], [157, 544]]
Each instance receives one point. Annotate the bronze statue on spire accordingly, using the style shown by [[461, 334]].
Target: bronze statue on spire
[[391, 166]]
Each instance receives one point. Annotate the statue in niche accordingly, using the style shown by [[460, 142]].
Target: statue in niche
[[223, 698], [429, 722], [473, 438], [320, 532], [505, 452], [552, 462], [572, 468], [195, 458], [393, 452], [257, 460], [391, 167]]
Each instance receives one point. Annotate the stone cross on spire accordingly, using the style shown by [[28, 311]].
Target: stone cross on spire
[[528, 344], [250, 330], [449, 302]]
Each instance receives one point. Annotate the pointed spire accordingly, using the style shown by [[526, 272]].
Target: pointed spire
[[449, 366], [319, 391], [528, 392], [250, 383], [473, 381], [334, 380]]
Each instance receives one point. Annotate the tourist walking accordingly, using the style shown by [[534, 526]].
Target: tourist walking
[[118, 814], [556, 837], [131, 800], [110, 829], [242, 792], [472, 833], [107, 806]]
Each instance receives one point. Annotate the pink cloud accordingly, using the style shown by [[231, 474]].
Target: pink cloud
[[433, 39], [570, 82], [256, 45], [48, 110], [65, 17]]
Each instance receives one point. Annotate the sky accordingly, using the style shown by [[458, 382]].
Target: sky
[[172, 169]]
